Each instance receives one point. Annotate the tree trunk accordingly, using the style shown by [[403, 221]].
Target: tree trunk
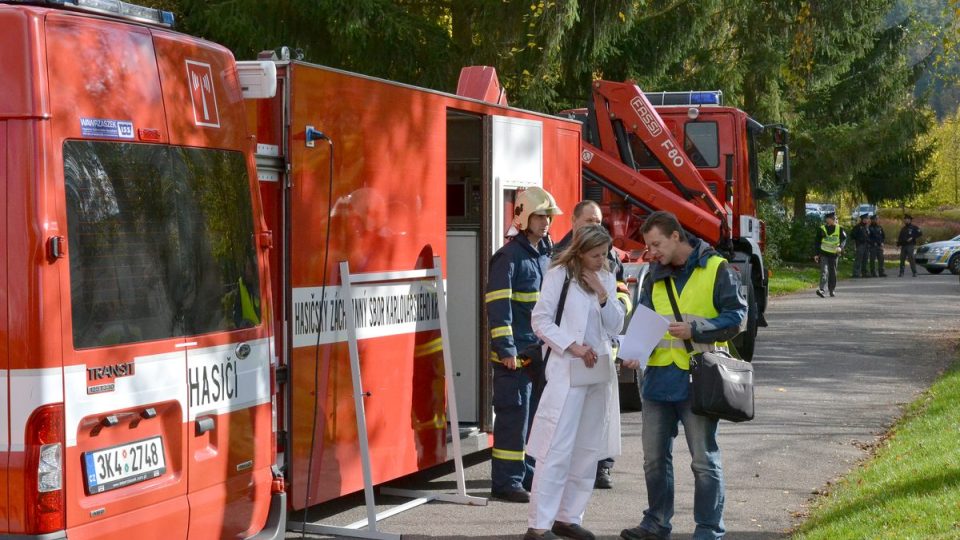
[[461, 14], [800, 203]]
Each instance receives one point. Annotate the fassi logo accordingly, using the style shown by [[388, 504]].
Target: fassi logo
[[645, 116]]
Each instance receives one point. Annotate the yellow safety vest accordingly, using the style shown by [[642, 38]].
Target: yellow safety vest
[[695, 304], [831, 242], [248, 306]]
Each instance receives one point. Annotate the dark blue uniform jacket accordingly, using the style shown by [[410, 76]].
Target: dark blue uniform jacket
[[513, 287]]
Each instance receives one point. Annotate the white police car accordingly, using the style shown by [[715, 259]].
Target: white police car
[[939, 256]]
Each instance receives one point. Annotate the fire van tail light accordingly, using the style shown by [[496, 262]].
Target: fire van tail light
[[44, 488]]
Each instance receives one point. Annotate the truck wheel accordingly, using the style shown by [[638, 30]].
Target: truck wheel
[[747, 339], [954, 264], [630, 393]]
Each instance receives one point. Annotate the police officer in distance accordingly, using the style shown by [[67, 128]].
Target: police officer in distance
[[907, 241], [861, 240], [513, 287], [827, 247], [876, 237]]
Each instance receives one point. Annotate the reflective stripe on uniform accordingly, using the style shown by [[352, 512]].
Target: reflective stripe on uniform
[[624, 299], [525, 296], [501, 294], [508, 455], [430, 347], [522, 362], [501, 331]]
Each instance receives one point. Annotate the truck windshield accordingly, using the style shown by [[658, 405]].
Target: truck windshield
[[701, 143], [160, 242]]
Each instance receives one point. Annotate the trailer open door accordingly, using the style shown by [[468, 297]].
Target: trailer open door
[[465, 261], [514, 162], [489, 158]]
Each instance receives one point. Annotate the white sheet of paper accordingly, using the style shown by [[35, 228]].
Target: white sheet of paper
[[645, 330]]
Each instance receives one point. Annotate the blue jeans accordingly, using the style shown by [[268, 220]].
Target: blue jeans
[[660, 428]]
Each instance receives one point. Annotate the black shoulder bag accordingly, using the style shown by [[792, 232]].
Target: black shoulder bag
[[721, 385], [538, 361]]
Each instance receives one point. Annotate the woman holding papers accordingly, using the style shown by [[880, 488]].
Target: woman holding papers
[[577, 421]]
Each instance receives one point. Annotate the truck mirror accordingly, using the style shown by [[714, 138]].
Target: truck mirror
[[781, 165], [781, 135]]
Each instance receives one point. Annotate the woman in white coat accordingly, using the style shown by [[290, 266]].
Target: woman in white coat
[[575, 424]]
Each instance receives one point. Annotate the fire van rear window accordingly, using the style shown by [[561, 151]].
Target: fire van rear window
[[160, 242]]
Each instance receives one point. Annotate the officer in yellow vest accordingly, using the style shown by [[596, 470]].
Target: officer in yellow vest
[[708, 296], [828, 246]]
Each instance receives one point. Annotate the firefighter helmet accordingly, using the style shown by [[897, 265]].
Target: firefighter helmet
[[533, 200]]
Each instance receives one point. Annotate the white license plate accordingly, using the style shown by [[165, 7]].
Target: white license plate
[[123, 465]]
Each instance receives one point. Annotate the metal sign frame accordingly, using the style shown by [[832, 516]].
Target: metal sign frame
[[356, 530]]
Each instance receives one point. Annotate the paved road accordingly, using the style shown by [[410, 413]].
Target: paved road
[[832, 375]]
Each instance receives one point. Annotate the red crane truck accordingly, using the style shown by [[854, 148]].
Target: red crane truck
[[415, 173], [691, 156]]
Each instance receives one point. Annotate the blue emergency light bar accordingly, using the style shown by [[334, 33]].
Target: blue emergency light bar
[[114, 8], [699, 97]]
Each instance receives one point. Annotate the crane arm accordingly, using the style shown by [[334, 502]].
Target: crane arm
[[626, 103], [648, 193]]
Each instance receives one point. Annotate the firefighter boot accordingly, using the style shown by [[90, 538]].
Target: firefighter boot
[[603, 480], [517, 496]]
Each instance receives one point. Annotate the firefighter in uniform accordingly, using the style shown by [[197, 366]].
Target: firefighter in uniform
[[828, 246], [513, 287], [877, 237], [861, 240], [588, 212]]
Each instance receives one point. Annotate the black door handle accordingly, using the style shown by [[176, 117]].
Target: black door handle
[[205, 424]]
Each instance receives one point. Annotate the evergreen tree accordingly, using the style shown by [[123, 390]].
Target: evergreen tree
[[869, 100]]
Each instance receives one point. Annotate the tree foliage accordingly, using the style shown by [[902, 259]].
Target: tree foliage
[[944, 165], [840, 74]]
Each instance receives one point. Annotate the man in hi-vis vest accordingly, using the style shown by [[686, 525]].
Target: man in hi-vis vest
[[828, 246], [707, 291]]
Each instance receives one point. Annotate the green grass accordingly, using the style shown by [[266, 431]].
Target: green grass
[[937, 223], [799, 276], [944, 213], [910, 488]]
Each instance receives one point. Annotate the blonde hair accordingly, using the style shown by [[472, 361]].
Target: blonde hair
[[586, 238]]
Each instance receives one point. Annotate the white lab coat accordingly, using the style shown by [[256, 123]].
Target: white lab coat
[[571, 330]]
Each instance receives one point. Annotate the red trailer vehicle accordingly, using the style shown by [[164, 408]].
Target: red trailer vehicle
[[163, 331], [416, 173]]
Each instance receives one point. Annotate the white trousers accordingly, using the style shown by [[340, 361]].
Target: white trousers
[[563, 481]]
